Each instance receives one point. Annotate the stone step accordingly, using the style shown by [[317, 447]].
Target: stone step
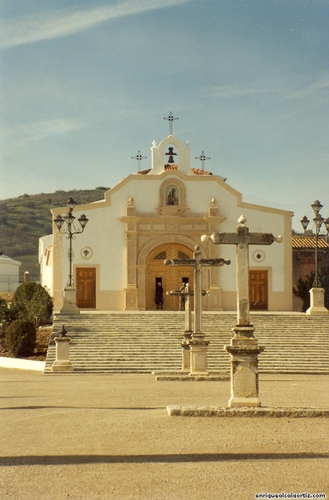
[[145, 342]]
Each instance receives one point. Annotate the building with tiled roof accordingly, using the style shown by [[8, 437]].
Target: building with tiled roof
[[308, 242], [161, 213]]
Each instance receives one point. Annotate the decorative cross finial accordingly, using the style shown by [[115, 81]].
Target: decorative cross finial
[[170, 118], [202, 158], [139, 158], [242, 220]]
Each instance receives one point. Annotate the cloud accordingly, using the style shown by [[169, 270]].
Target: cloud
[[288, 92], [37, 131], [229, 91], [63, 22]]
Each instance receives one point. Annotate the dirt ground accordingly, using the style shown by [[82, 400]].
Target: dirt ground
[[100, 437]]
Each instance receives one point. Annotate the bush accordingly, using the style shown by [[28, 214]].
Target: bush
[[20, 338], [303, 287], [33, 303], [4, 311]]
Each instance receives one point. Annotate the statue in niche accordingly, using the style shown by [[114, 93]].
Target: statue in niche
[[172, 195], [171, 155]]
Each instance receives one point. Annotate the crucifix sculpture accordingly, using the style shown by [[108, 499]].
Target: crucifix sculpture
[[198, 344], [244, 347]]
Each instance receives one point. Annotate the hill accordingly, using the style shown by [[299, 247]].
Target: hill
[[23, 220]]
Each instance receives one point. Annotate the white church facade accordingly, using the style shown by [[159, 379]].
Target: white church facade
[[160, 214]]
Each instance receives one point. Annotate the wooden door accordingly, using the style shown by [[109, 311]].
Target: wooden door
[[86, 287], [170, 277], [258, 291]]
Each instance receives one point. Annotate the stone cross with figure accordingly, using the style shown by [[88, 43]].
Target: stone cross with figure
[[244, 347], [198, 344]]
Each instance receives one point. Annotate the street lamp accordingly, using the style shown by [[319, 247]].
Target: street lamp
[[318, 220], [71, 230]]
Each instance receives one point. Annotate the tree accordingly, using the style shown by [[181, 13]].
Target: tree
[[303, 287], [32, 302]]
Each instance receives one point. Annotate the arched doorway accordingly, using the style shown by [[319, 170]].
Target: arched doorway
[[170, 277]]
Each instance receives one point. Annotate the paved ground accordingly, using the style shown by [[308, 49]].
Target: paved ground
[[98, 437]]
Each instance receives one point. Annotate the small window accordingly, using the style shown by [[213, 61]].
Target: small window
[[182, 255], [160, 256]]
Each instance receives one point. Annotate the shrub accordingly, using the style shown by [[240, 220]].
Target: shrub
[[4, 311], [303, 287], [33, 303], [20, 338]]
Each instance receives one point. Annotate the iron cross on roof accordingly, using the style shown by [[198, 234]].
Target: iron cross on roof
[[170, 118], [202, 158], [139, 158]]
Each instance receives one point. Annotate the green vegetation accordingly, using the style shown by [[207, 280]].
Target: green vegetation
[[20, 338], [32, 302], [25, 219], [303, 287], [4, 311]]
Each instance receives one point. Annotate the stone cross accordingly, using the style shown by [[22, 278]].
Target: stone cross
[[242, 239], [198, 344], [244, 349], [197, 263], [186, 293]]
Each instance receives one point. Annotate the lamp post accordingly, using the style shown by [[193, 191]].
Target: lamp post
[[71, 230], [316, 292], [318, 221]]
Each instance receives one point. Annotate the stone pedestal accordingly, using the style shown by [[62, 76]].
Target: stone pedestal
[[198, 357], [244, 351], [317, 302], [186, 352], [70, 301], [62, 363]]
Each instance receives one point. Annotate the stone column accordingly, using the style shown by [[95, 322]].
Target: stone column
[[317, 302], [198, 344], [186, 352], [62, 363], [244, 351], [186, 363], [131, 291]]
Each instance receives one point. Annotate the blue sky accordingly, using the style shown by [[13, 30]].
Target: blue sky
[[85, 85]]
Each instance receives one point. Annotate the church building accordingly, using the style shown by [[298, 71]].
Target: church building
[[159, 214]]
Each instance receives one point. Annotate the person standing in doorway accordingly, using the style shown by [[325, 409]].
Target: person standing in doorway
[[159, 295]]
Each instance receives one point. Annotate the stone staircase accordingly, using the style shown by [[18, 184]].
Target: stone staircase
[[143, 342]]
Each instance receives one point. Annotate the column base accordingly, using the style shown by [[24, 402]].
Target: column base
[[244, 351], [69, 301], [317, 302], [62, 366], [186, 357], [198, 357], [236, 402]]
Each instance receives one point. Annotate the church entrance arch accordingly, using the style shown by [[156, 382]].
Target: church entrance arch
[[170, 277]]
